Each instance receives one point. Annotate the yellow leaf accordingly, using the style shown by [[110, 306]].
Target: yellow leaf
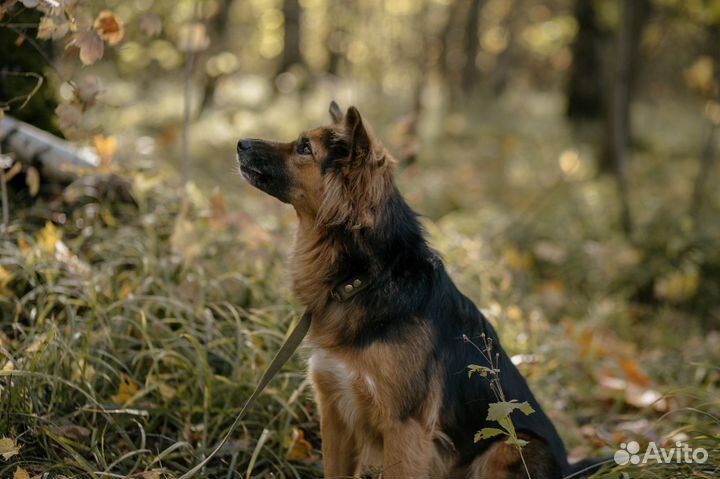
[[106, 147], [23, 246], [109, 27], [48, 237], [126, 390], [633, 372], [5, 277], [21, 473], [90, 45], [518, 260], [298, 447], [32, 180], [8, 448]]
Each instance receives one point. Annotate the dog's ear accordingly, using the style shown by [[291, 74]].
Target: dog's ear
[[360, 143], [336, 113]]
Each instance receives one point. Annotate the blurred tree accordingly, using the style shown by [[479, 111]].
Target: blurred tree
[[23, 54], [291, 54], [584, 85], [451, 52], [634, 17], [337, 32], [712, 113], [471, 41], [219, 39]]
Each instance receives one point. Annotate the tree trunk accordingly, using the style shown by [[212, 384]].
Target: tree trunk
[[291, 54], [584, 87], [469, 70], [707, 159], [451, 52], [219, 33], [634, 17], [618, 132]]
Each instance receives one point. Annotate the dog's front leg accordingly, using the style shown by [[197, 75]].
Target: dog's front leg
[[407, 450], [338, 446]]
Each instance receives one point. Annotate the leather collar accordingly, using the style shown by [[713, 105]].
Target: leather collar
[[347, 289]]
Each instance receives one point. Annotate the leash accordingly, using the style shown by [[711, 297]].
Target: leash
[[286, 351], [340, 293]]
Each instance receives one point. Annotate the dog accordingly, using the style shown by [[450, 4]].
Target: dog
[[391, 335]]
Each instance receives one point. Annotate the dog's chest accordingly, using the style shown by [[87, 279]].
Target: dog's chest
[[354, 393]]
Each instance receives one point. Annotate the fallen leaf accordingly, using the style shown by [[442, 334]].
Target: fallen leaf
[[36, 344], [8, 448], [23, 246], [90, 45], [32, 180], [126, 390], [150, 24], [298, 447], [633, 373], [109, 27], [5, 277], [106, 147], [48, 237], [21, 473]]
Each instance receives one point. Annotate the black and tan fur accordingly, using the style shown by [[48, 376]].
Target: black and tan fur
[[389, 364]]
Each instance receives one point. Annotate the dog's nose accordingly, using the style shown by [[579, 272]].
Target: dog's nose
[[244, 145]]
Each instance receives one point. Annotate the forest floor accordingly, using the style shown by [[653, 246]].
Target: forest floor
[[132, 333]]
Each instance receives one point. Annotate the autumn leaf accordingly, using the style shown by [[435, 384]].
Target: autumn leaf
[[106, 147], [53, 27], [21, 473], [48, 237], [109, 27], [69, 115], [298, 447], [32, 180], [90, 45], [126, 390], [8, 448], [23, 246], [150, 24], [5, 277], [88, 89], [633, 372]]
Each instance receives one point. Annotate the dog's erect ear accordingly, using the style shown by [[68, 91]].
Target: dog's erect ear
[[360, 144], [336, 113]]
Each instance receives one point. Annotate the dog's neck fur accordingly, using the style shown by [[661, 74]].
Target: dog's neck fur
[[326, 255]]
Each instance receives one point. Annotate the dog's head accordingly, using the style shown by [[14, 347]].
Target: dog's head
[[334, 176]]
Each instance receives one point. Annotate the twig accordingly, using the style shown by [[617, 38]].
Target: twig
[[4, 193], [27, 97]]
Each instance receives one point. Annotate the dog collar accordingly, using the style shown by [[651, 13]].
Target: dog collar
[[348, 289]]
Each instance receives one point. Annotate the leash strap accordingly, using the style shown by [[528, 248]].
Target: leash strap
[[286, 351]]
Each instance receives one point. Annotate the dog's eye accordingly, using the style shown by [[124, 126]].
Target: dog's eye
[[303, 147]]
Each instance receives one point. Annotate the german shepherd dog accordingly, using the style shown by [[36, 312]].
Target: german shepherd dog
[[389, 362]]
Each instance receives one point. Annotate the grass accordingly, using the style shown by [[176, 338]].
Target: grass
[[132, 333]]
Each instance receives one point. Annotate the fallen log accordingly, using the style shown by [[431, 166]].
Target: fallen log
[[56, 157]]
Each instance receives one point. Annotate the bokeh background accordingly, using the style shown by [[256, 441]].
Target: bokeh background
[[562, 155]]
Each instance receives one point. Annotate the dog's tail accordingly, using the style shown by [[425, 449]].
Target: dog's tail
[[587, 467]]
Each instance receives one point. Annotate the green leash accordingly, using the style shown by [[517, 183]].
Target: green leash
[[286, 351]]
